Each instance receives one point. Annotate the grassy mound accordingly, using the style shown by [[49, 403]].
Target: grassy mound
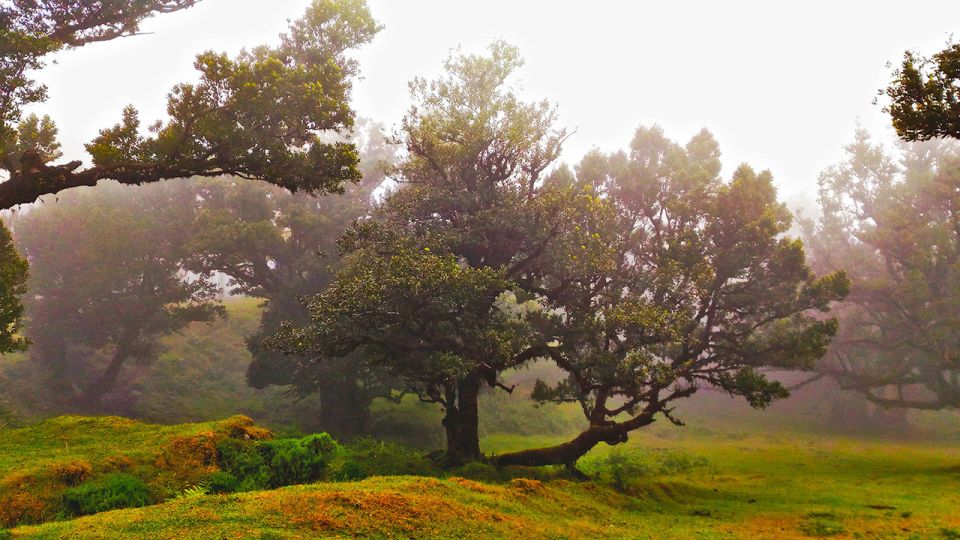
[[68, 465], [392, 507]]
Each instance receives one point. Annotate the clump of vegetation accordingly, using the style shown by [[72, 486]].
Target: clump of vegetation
[[22, 507], [115, 490], [248, 465], [72, 473], [367, 456], [822, 524], [622, 467]]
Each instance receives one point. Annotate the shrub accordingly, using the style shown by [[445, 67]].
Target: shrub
[[620, 467], [244, 462], [276, 463], [222, 482], [115, 490], [298, 461], [21, 507], [5, 534], [72, 473], [367, 456]]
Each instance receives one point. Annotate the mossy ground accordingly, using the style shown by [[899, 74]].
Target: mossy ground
[[39, 462], [694, 484]]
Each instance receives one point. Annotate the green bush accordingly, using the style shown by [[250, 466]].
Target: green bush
[[244, 461], [222, 482], [272, 464], [116, 490], [298, 461], [5, 534], [367, 456], [620, 467]]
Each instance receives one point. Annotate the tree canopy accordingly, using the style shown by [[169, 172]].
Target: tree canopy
[[107, 283], [273, 113], [925, 95], [280, 246], [645, 277], [894, 221]]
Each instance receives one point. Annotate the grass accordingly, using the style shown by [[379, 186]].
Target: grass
[[43, 463], [672, 484]]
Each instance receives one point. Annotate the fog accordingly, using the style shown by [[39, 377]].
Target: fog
[[479, 269], [781, 86]]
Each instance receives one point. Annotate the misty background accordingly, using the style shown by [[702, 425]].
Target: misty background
[[781, 86]]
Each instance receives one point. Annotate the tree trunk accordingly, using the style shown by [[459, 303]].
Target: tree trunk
[[344, 408], [94, 392], [462, 420], [569, 452]]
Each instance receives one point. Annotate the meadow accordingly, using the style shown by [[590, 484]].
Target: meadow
[[665, 483]]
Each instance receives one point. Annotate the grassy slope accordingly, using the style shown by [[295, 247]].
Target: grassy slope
[[774, 486], [170, 458]]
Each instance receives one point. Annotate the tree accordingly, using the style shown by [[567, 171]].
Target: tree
[[266, 114], [29, 31], [424, 292], [107, 284], [690, 283], [279, 247], [896, 224], [925, 95], [259, 116]]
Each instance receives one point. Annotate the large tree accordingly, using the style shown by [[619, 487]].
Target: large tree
[[279, 247], [107, 283], [266, 114], [689, 283], [645, 278], [894, 221], [424, 290]]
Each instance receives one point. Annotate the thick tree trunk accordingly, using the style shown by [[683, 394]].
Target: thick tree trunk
[[344, 408], [569, 452], [462, 421], [94, 392]]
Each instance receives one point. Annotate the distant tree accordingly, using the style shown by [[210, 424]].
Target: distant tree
[[107, 284], [894, 221], [925, 95], [266, 114], [280, 247], [689, 282], [424, 291]]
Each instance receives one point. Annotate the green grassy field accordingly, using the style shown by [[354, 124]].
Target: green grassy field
[[665, 483]]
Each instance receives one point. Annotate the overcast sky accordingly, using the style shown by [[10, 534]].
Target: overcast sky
[[780, 85]]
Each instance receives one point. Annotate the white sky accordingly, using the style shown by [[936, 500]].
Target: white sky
[[780, 85]]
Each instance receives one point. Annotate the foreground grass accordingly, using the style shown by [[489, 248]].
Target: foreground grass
[[39, 462], [663, 484]]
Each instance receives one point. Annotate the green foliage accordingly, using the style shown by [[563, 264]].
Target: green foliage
[[108, 283], [244, 463], [13, 284], [194, 491], [278, 247], [259, 115], [891, 218], [623, 468], [297, 461], [250, 465], [109, 492], [924, 102], [677, 279], [367, 456]]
